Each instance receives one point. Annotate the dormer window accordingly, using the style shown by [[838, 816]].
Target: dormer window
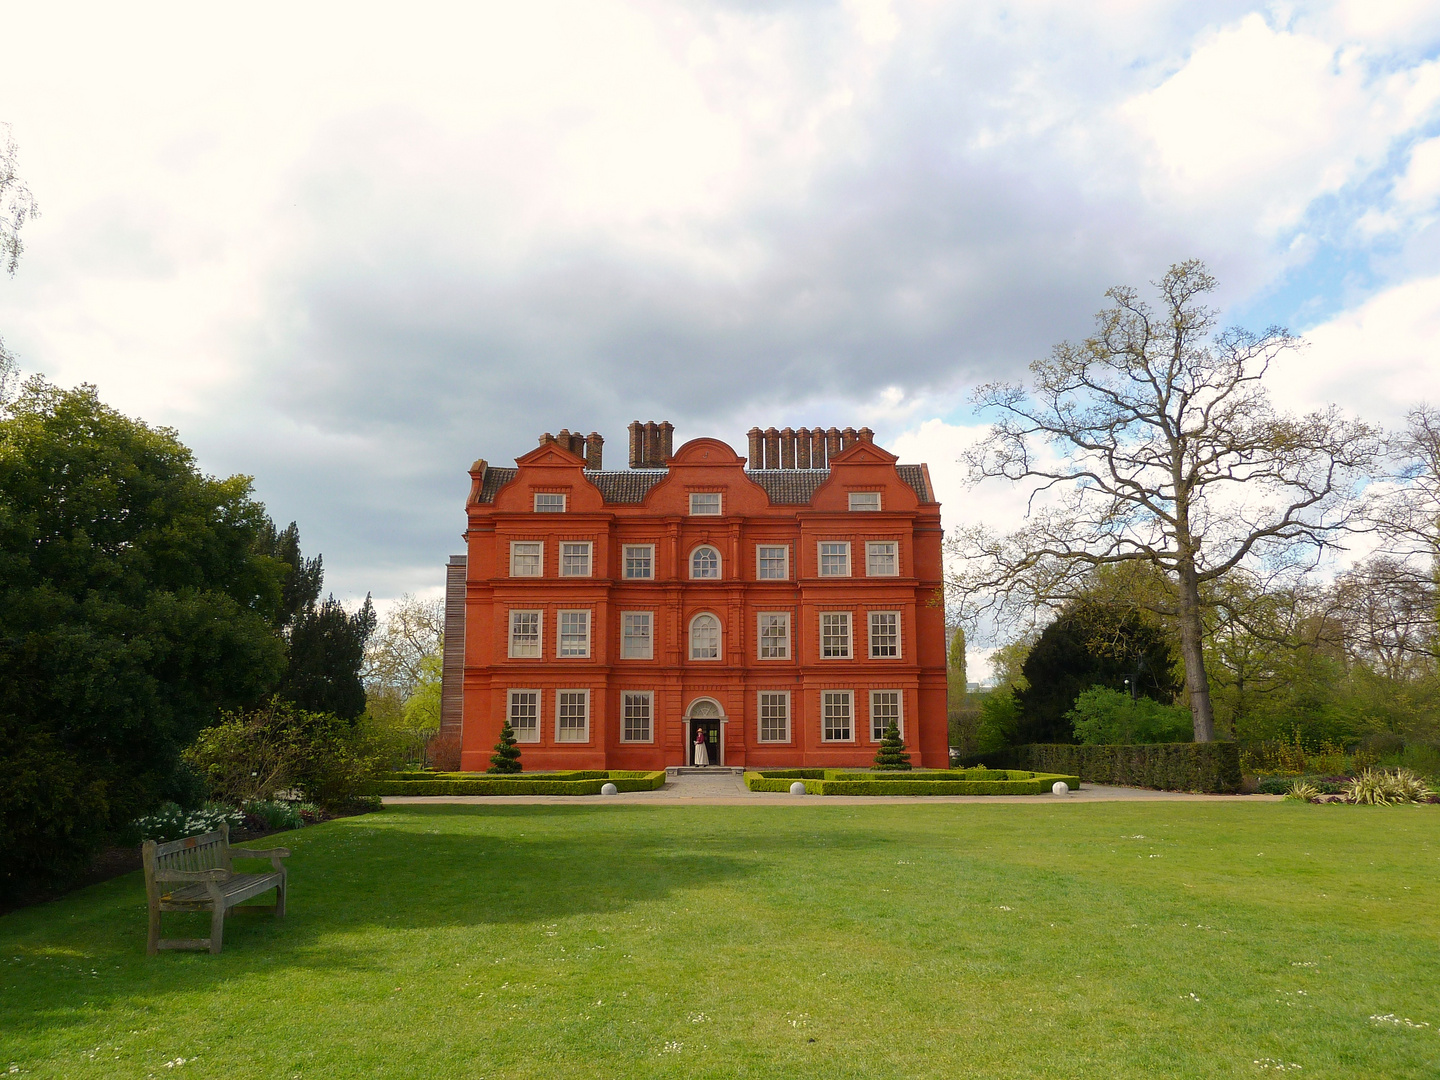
[[864, 500], [549, 503], [704, 503]]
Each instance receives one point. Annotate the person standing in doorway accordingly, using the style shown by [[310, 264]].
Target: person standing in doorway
[[702, 752]]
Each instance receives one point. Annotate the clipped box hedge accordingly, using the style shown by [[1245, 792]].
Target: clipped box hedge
[[928, 782], [579, 782], [1212, 767]]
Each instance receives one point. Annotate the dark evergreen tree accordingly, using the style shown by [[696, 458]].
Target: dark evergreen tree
[[303, 578], [506, 758], [1092, 644], [892, 755], [327, 652], [324, 642]]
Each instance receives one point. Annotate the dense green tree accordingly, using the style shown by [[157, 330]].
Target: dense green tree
[[1091, 644], [134, 607], [1103, 715]]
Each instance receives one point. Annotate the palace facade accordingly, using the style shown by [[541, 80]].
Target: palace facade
[[785, 612]]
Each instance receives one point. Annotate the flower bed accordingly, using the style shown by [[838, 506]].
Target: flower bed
[[919, 782]]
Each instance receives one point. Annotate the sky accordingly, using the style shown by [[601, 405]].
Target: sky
[[348, 249]]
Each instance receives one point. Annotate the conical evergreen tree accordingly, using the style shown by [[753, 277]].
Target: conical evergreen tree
[[506, 758], [891, 754]]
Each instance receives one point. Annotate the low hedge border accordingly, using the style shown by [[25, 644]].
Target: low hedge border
[[847, 782], [588, 783], [1212, 767]]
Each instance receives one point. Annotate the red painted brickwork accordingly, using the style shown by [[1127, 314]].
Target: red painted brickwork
[[736, 678]]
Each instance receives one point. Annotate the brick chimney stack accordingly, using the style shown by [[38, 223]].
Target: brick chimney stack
[[847, 438], [772, 448], [652, 444], [637, 444], [667, 442], [802, 448], [757, 448], [866, 435], [594, 451], [787, 448], [832, 443]]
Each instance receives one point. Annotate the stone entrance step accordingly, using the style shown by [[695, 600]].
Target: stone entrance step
[[707, 770]]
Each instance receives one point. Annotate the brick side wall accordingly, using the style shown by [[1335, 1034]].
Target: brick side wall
[[452, 665]]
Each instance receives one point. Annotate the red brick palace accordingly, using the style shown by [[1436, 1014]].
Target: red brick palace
[[786, 611]]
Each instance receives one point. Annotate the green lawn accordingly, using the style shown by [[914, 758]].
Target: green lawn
[[1104, 939]]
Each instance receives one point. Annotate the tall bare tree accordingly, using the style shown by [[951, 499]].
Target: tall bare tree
[[17, 206], [1154, 441]]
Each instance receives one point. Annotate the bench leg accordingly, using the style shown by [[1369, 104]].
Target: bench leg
[[280, 899], [217, 928], [152, 943]]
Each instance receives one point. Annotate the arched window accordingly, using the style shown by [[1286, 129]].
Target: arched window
[[705, 638], [705, 562]]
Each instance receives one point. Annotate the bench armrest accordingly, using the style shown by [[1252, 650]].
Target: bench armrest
[[193, 875], [259, 853]]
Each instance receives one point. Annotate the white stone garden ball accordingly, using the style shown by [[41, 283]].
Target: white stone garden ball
[[609, 789], [797, 788], [1061, 788]]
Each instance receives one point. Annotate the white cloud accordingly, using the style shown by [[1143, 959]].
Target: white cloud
[[1261, 121], [1419, 187], [1376, 360]]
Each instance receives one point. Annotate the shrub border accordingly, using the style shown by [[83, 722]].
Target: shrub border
[[929, 782], [577, 782]]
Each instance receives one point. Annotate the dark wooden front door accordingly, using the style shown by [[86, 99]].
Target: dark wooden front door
[[711, 729]]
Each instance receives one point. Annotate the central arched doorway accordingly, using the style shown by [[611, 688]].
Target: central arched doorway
[[705, 715]]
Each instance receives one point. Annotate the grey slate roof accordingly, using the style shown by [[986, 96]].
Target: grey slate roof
[[625, 485], [786, 487], [789, 487], [495, 479]]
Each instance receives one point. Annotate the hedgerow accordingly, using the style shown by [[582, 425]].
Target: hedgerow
[[588, 782], [843, 782], [1209, 767]]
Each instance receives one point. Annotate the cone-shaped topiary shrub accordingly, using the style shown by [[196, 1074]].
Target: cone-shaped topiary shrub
[[506, 758], [891, 754]]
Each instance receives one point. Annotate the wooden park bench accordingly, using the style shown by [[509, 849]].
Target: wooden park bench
[[195, 874]]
